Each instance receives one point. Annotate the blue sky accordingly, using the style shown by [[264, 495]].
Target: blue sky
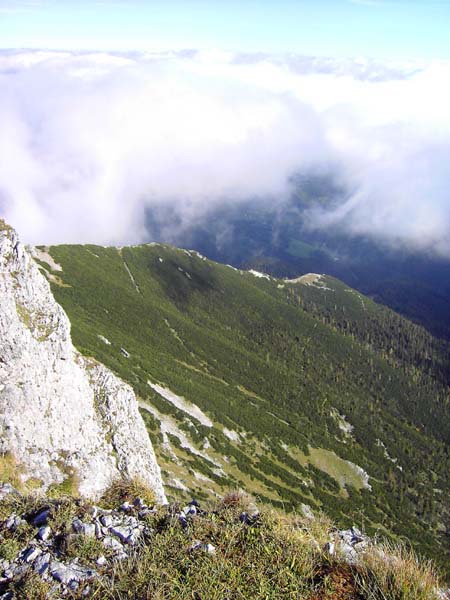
[[395, 29]]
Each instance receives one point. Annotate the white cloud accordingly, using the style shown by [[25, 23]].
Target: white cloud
[[91, 141]]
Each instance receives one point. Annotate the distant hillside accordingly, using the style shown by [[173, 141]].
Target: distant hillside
[[306, 393], [277, 238]]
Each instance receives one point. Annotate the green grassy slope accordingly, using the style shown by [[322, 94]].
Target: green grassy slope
[[301, 392]]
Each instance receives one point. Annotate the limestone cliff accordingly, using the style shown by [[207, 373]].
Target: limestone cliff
[[61, 414]]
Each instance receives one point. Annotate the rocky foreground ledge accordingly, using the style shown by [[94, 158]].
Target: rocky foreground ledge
[[67, 548]]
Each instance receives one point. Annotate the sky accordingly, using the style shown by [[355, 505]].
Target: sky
[[394, 29], [111, 110]]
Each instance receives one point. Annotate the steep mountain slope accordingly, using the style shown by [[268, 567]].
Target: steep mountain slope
[[66, 420], [304, 392]]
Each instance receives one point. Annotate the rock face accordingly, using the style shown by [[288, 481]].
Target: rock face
[[61, 414]]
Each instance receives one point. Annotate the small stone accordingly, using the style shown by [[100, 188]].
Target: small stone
[[101, 561], [190, 510], [44, 533], [30, 554], [93, 511], [356, 532], [15, 570], [348, 553], [249, 519], [307, 511], [121, 556], [41, 518], [132, 522], [183, 521], [67, 574], [7, 596], [126, 507], [330, 548], [252, 510], [42, 563], [6, 489], [98, 530], [4, 564], [73, 585], [77, 525], [87, 529], [126, 535], [112, 543], [9, 524], [209, 548], [106, 520], [14, 522], [196, 545]]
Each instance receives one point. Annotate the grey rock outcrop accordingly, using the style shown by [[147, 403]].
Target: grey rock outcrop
[[61, 414], [45, 553]]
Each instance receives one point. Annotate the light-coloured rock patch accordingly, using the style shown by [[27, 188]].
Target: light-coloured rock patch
[[168, 425], [43, 255], [182, 404], [132, 279], [259, 275], [232, 435], [341, 420], [313, 279]]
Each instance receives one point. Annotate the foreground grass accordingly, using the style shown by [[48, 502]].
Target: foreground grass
[[279, 559], [217, 556]]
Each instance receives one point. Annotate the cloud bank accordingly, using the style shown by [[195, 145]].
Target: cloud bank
[[91, 143]]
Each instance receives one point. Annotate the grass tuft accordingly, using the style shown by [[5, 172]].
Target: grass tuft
[[238, 499], [67, 487], [10, 470], [86, 549], [126, 490], [31, 587], [394, 571], [9, 548]]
